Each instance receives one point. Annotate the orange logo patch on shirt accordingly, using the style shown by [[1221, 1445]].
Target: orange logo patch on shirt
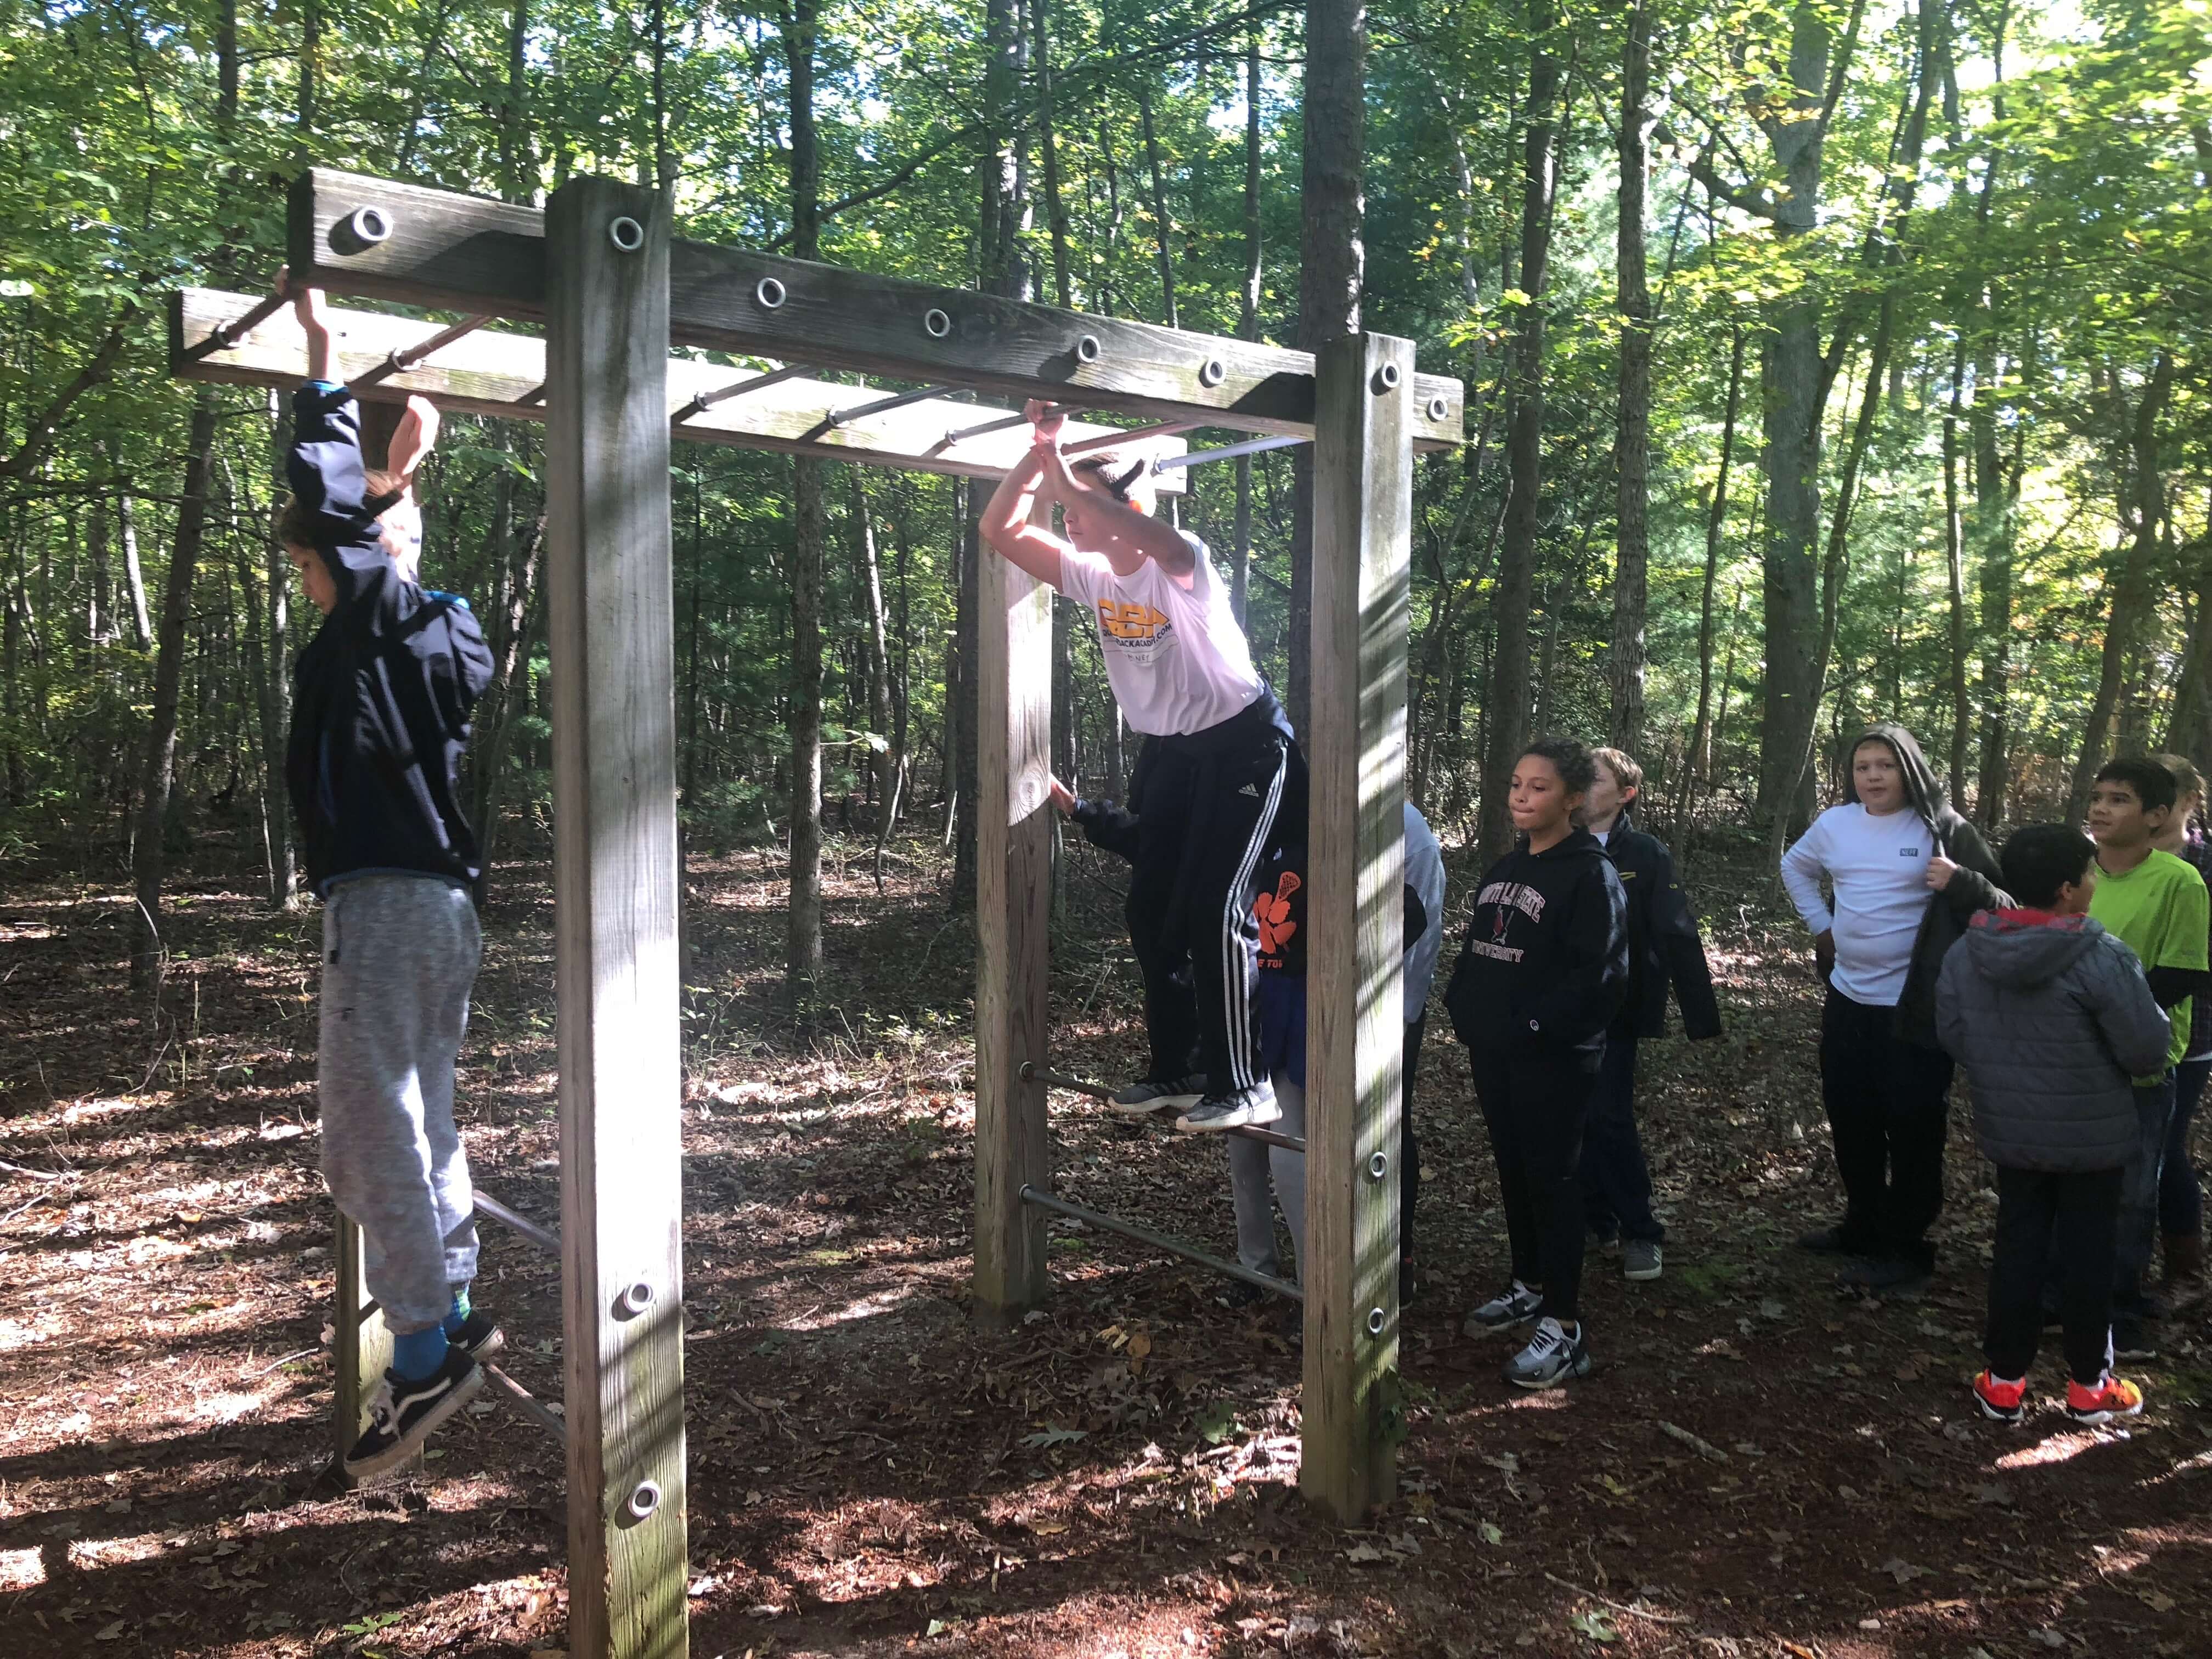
[[1134, 620]]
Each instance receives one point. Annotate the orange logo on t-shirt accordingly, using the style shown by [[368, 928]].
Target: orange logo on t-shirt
[[1273, 911], [1133, 620]]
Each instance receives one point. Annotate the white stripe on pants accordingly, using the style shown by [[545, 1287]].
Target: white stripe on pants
[[399, 954]]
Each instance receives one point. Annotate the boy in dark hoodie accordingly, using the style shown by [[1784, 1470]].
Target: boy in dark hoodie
[[1906, 872], [381, 699], [1542, 972], [2051, 1016], [1663, 950]]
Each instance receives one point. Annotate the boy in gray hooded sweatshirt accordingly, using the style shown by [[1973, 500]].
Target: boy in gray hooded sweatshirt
[[2051, 1016]]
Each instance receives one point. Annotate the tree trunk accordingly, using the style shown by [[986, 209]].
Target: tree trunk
[[1247, 320], [1997, 497], [2142, 511], [1633, 451], [1332, 262], [1164, 243], [1507, 704], [1701, 736], [1955, 556], [1055, 210], [810, 531], [134, 575], [877, 641], [148, 857]]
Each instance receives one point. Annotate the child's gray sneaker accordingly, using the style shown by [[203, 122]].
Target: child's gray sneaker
[[1550, 1357], [1640, 1258], [1150, 1093], [1233, 1110], [1515, 1305]]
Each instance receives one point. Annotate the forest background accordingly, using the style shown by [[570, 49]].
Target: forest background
[[1826, 362]]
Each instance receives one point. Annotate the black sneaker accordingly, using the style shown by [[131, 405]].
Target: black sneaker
[[401, 1413], [1827, 1241], [1150, 1093], [479, 1337], [1900, 1281], [1237, 1295], [1233, 1110], [1517, 1305]]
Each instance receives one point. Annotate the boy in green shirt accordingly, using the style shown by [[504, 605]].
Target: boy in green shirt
[[2156, 904]]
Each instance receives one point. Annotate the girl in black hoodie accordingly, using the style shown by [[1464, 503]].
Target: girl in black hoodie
[[1542, 974]]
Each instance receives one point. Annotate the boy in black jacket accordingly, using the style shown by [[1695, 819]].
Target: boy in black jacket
[[382, 700], [1541, 976], [1663, 948]]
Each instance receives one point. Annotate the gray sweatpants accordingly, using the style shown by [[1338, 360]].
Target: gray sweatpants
[[1253, 1167], [399, 954]]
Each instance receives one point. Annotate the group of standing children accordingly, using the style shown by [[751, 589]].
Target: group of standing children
[[2065, 977]]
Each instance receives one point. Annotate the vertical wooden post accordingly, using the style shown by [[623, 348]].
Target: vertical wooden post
[[1013, 893], [1363, 540], [360, 1348], [610, 615]]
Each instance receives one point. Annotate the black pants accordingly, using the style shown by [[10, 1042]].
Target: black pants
[[1887, 1101], [1616, 1181], [1409, 1146], [1533, 1107], [2068, 1220], [1204, 819]]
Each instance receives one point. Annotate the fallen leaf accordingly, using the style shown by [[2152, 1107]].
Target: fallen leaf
[[1055, 1437], [1903, 1570], [2156, 1600], [1360, 1554], [1595, 1625], [1489, 1533], [1990, 1492], [110, 1633]]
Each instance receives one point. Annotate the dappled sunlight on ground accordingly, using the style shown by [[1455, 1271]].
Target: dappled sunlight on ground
[[1758, 1466]]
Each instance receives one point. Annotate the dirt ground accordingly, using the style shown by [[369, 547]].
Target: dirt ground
[[1759, 1466]]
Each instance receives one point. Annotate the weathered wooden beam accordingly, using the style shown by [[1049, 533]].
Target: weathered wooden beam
[[1355, 1032], [1013, 954], [490, 372], [361, 1347], [463, 252], [610, 626]]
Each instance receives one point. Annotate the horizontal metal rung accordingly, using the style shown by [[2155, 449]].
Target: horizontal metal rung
[[487, 1205], [1226, 452], [836, 418], [528, 1403], [1108, 440], [706, 400], [1113, 1224], [398, 363], [231, 333]]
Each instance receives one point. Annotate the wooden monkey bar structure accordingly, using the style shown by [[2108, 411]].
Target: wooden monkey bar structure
[[614, 290]]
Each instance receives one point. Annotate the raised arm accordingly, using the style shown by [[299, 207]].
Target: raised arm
[[1011, 520], [307, 306], [1139, 532]]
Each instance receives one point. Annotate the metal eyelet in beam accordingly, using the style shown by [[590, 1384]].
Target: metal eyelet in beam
[[1087, 349], [644, 1498], [936, 322], [626, 233], [637, 1296], [1386, 379], [1376, 1321], [1213, 372], [1377, 1167], [770, 291], [1439, 408], [361, 230]]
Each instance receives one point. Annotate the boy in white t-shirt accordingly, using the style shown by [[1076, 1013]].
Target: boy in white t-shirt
[[1216, 773]]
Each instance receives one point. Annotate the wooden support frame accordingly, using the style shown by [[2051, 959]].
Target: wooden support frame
[[611, 616], [361, 1347], [598, 266], [1355, 1031], [1013, 951], [436, 248], [492, 372]]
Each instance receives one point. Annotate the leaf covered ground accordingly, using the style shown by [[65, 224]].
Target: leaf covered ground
[[1759, 1466]]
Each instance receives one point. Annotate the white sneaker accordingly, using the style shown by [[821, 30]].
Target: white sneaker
[[1515, 1305], [1550, 1357], [1254, 1105]]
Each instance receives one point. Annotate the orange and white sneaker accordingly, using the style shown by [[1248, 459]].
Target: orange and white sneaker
[[2113, 1396], [1998, 1399]]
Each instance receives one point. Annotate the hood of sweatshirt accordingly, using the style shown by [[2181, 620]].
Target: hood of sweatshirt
[[1923, 790], [2025, 948]]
